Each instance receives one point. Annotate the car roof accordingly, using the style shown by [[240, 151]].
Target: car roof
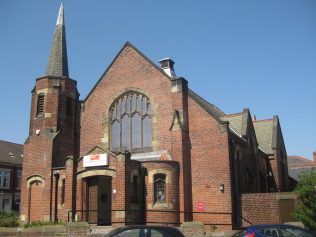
[[266, 225], [167, 228], [272, 225]]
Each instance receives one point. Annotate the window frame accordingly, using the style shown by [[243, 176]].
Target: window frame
[[159, 187], [40, 104], [3, 173], [63, 191], [130, 112], [18, 179]]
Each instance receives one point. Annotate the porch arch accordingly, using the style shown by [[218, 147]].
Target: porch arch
[[96, 172]]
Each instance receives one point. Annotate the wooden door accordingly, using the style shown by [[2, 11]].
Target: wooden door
[[104, 193], [93, 199]]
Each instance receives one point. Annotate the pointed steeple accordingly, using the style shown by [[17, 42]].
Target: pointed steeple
[[58, 62]]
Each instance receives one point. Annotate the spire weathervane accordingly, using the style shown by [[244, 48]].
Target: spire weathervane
[[60, 18]]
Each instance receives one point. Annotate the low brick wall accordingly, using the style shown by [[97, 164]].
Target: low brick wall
[[272, 208], [73, 229], [192, 229], [82, 229], [76, 229]]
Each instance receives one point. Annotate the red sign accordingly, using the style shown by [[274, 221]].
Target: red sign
[[200, 206], [94, 157]]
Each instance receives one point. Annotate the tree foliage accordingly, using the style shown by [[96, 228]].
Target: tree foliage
[[305, 210]]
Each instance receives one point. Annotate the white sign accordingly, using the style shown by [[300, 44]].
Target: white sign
[[95, 160]]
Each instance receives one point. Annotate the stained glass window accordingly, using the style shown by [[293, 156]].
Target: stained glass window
[[160, 189], [131, 122]]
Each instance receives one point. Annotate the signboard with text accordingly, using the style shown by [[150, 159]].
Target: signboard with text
[[95, 160]]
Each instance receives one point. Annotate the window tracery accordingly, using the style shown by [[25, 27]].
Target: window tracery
[[131, 122]]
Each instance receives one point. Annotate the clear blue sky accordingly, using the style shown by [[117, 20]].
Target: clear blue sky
[[251, 54]]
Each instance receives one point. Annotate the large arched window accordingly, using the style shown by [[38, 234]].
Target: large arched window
[[131, 123]]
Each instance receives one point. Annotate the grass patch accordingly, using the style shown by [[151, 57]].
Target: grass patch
[[42, 223]]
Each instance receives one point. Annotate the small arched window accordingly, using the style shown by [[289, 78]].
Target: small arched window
[[248, 182], [131, 122], [40, 104], [160, 188]]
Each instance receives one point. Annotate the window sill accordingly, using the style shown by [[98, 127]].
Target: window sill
[[160, 206]]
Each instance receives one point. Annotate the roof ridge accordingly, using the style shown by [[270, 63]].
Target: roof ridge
[[296, 167], [3, 141], [126, 44], [213, 110], [231, 115], [262, 120]]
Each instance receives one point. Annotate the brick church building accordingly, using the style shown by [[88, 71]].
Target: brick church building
[[142, 147]]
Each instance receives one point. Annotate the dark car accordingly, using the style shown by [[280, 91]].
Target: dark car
[[145, 231], [274, 231]]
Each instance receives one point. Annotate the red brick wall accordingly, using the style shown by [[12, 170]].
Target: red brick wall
[[180, 148], [130, 71], [37, 161], [259, 208], [172, 192], [49, 148], [210, 164]]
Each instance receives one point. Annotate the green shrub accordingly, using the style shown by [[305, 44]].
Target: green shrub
[[9, 219], [305, 210]]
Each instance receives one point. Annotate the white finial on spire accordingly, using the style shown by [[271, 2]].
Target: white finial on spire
[[60, 19]]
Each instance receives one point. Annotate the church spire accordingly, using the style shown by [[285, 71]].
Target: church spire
[[58, 62]]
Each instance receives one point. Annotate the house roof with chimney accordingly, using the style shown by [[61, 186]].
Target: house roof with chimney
[[168, 70], [11, 153], [299, 164]]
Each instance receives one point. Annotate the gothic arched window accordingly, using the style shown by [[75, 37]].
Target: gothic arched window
[[131, 122]]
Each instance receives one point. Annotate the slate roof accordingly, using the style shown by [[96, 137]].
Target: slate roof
[[263, 130], [264, 134], [11, 153], [58, 62], [235, 121]]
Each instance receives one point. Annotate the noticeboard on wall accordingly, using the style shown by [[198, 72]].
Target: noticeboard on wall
[[95, 160]]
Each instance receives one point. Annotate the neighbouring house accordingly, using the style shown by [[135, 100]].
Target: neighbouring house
[[299, 164], [11, 157], [142, 147]]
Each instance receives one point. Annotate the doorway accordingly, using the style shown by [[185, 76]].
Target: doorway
[[99, 200]]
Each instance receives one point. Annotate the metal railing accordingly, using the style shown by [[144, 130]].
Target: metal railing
[[132, 217]]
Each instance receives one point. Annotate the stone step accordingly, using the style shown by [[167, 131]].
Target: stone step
[[100, 229]]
